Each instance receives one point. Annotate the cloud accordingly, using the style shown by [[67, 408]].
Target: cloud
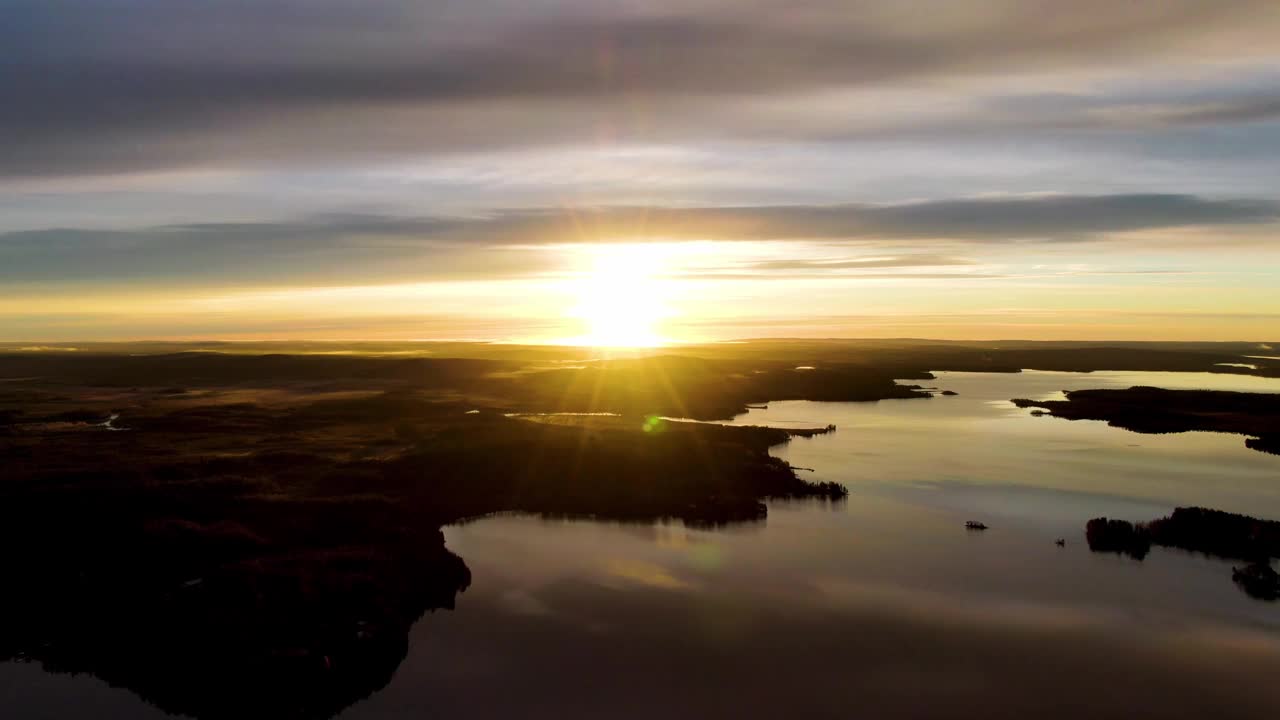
[[332, 248], [993, 219], [93, 87], [323, 249], [900, 261], [1061, 216]]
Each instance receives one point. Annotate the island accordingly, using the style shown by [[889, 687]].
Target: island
[[1195, 529], [1155, 410]]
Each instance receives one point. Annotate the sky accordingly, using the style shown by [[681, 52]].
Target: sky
[[637, 172]]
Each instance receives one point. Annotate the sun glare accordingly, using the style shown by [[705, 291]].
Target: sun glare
[[622, 297]]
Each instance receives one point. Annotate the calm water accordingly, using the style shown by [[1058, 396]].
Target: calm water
[[883, 606]]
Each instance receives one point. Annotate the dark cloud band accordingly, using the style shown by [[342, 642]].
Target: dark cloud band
[[336, 246]]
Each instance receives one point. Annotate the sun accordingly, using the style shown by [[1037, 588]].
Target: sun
[[622, 297]]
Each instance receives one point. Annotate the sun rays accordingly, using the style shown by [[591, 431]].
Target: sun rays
[[622, 296]]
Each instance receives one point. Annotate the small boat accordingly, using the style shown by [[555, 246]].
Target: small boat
[[1060, 542], [975, 525]]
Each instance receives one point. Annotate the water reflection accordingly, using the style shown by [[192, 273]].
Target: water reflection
[[978, 452], [885, 610]]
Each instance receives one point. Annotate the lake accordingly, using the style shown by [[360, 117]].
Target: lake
[[883, 605]]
